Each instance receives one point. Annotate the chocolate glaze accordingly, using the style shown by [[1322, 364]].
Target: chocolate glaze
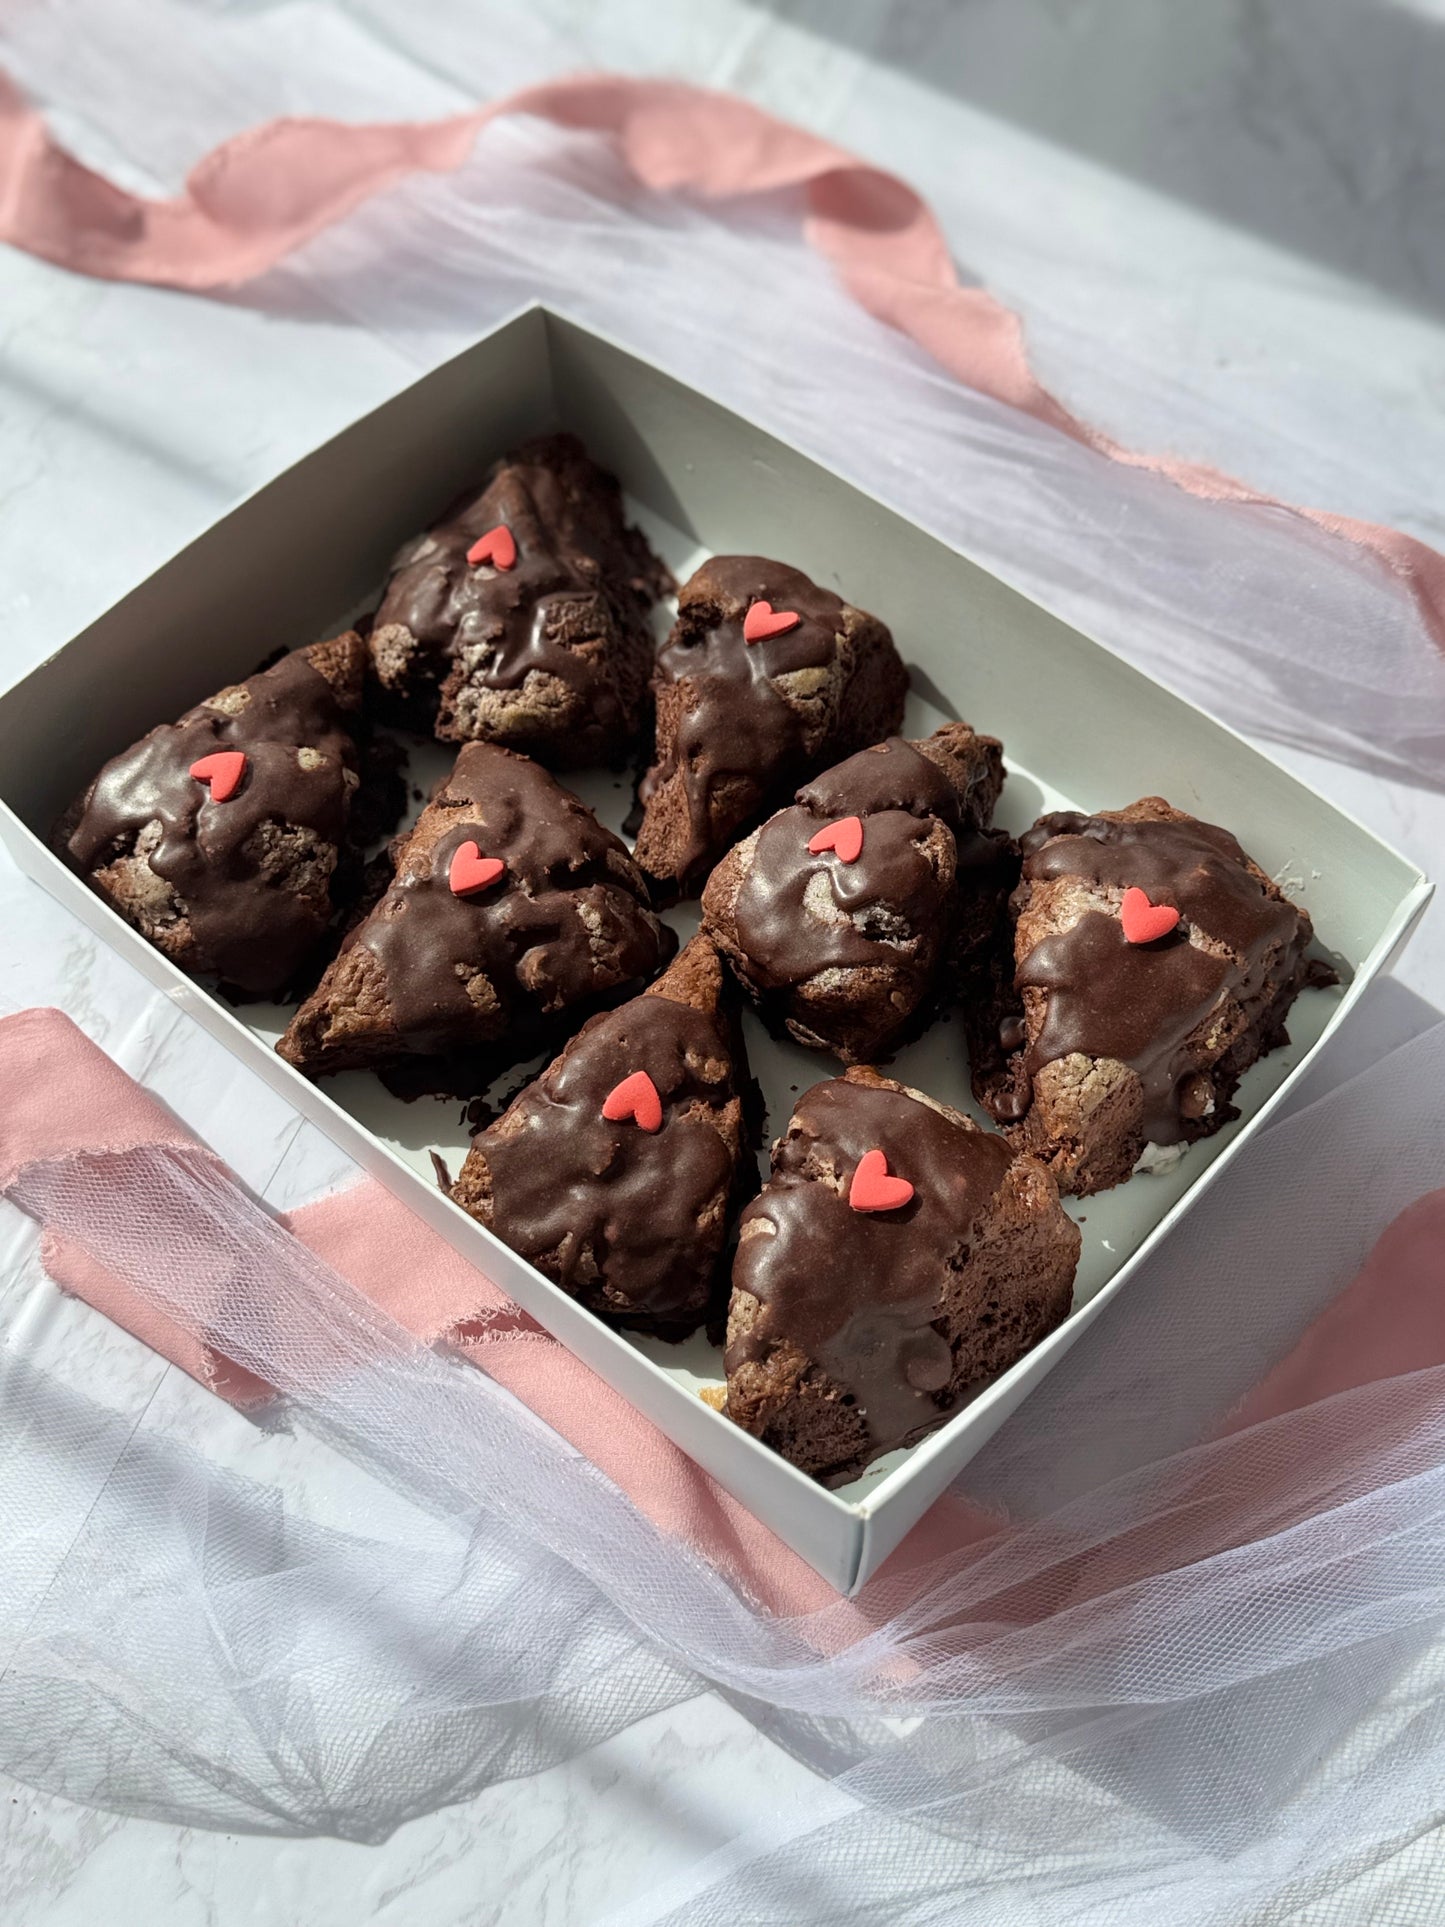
[[892, 775], [891, 894], [1137, 1003], [1197, 867], [737, 730], [1140, 1003], [893, 909], [580, 577], [610, 1212], [246, 926], [858, 1292], [529, 934]]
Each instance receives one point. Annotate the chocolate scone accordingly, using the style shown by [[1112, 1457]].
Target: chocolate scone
[[521, 618], [1154, 962], [765, 679], [613, 1171], [896, 1255], [838, 914], [509, 905], [225, 837]]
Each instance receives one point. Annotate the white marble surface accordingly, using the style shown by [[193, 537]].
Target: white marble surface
[[1244, 191]]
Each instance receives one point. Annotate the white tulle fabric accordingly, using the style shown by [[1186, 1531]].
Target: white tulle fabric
[[1284, 631], [1194, 1674], [1195, 1679]]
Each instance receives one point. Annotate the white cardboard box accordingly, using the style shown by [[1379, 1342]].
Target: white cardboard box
[[1080, 728]]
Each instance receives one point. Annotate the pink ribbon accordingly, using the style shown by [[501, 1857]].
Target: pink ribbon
[[62, 1100], [1290, 1447], [256, 197]]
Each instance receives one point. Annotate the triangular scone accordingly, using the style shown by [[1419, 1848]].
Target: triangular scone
[[765, 679], [234, 872], [510, 904], [1152, 963], [896, 1255], [541, 639], [840, 913], [612, 1173]]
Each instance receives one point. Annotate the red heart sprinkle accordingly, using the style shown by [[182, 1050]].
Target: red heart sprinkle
[[470, 871], [873, 1189], [223, 770], [763, 620], [844, 838], [635, 1097], [1143, 921], [496, 547]]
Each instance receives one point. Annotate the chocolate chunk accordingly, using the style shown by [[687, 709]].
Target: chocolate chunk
[[1113, 1045], [429, 973], [630, 1222], [846, 953], [739, 722], [241, 885], [853, 1332], [551, 655]]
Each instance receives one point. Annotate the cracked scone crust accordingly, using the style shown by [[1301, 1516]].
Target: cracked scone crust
[[738, 722], [551, 656], [631, 1223], [245, 888], [851, 1333], [430, 974], [847, 953], [1099, 1047]]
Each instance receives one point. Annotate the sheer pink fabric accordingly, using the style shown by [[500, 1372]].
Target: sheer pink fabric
[[263, 193], [1185, 1616], [1220, 599], [66, 1100]]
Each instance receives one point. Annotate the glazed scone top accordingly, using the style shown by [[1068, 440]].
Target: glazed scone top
[[248, 872], [857, 1291], [1138, 1003], [499, 625], [799, 912], [605, 1203], [566, 884]]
